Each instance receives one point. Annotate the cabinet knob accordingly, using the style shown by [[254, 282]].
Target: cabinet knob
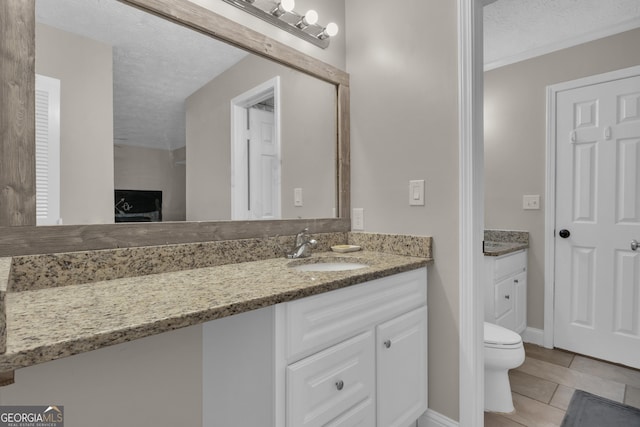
[[387, 343], [507, 297], [340, 385], [515, 281]]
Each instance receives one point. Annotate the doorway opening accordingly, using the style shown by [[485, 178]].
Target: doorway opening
[[255, 153]]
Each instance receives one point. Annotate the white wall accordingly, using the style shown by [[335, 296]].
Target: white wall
[[404, 121], [85, 70], [138, 168], [515, 138]]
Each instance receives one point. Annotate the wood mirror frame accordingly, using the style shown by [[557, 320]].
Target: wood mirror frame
[[18, 231]]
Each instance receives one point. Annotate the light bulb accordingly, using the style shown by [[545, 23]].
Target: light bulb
[[283, 7], [310, 18], [287, 5], [329, 31]]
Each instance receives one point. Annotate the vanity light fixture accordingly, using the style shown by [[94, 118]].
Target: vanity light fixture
[[281, 14]]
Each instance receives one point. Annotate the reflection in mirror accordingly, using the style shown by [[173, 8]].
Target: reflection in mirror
[[145, 105]]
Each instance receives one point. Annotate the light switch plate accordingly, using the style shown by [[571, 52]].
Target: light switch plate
[[357, 221], [297, 197], [531, 202], [416, 192]]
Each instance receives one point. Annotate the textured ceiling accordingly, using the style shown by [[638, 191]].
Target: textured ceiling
[[520, 29], [156, 65]]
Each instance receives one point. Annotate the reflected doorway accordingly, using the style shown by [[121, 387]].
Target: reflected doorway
[[256, 159]]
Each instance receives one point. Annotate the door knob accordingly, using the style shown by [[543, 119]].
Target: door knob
[[564, 233], [634, 245]]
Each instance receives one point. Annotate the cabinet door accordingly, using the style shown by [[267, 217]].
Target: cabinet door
[[505, 297], [333, 387], [510, 264], [401, 349], [520, 287]]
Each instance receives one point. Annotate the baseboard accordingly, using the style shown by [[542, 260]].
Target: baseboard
[[432, 418], [533, 336]]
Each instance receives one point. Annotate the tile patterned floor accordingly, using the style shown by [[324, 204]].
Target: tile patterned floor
[[543, 386]]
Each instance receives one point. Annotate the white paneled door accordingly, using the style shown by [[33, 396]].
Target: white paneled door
[[597, 276], [264, 166]]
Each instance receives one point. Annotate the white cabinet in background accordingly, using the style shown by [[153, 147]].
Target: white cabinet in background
[[505, 299], [356, 356]]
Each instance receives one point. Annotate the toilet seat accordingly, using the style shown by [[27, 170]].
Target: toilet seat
[[498, 337]]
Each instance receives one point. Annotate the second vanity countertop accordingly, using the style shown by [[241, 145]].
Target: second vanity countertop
[[502, 248], [51, 323], [503, 242]]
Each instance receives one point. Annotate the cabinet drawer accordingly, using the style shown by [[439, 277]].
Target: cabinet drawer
[[504, 297], [335, 385], [319, 321], [510, 264]]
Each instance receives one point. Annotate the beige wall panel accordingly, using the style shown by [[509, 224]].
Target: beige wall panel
[[84, 68], [154, 381], [404, 126], [515, 139]]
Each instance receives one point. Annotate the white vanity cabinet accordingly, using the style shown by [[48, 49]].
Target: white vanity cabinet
[[356, 356], [506, 290]]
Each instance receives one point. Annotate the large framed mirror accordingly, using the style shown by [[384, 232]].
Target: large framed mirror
[[241, 75]]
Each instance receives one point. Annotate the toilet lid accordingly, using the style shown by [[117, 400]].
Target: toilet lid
[[494, 334]]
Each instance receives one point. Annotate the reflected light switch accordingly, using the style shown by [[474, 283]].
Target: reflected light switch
[[297, 197], [416, 193]]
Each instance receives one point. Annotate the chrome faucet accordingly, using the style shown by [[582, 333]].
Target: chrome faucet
[[303, 246]]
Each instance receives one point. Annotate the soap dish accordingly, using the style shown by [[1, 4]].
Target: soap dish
[[345, 248]]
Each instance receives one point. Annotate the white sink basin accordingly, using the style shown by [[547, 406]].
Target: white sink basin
[[327, 265]]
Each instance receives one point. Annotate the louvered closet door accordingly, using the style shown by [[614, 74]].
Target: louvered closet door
[[47, 150], [597, 286]]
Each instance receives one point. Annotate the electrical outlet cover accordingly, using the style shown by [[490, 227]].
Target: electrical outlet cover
[[357, 221], [531, 202]]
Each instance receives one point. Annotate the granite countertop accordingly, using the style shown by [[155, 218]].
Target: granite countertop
[[50, 323], [502, 248], [502, 242]]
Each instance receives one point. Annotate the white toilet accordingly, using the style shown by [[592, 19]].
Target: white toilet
[[503, 350]]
